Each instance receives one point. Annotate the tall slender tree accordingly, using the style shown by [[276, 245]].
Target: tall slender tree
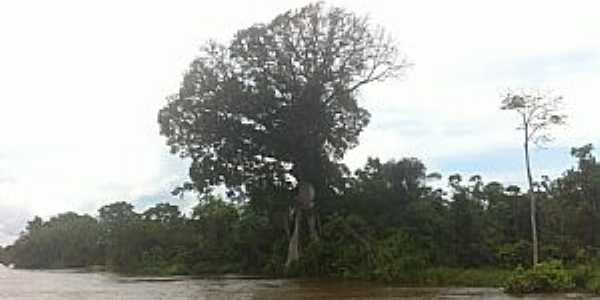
[[538, 112]]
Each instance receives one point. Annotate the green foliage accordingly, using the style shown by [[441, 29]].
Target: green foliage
[[512, 255], [345, 250], [215, 221], [549, 276], [581, 275], [268, 99], [278, 105], [387, 224], [399, 258], [349, 249], [4, 255], [444, 276], [67, 240], [593, 285], [586, 274], [257, 241]]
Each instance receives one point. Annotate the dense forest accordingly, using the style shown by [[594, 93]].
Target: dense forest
[[388, 223], [268, 118]]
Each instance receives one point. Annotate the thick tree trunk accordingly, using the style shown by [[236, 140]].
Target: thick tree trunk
[[532, 197], [285, 219], [293, 246], [304, 202], [311, 219]]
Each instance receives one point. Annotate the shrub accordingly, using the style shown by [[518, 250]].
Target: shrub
[[593, 285], [340, 252], [399, 258], [349, 249], [444, 276], [512, 255], [549, 276], [581, 274]]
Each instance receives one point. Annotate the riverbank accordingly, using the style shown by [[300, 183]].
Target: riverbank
[[548, 277], [431, 277], [68, 285]]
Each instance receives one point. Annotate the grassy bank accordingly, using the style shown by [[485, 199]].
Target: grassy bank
[[481, 277], [547, 277], [553, 276]]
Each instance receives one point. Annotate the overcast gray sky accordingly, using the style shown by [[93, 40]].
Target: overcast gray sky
[[81, 83]]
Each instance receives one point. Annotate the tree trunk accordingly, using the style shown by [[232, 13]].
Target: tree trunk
[[532, 196], [285, 219], [304, 202], [312, 225], [293, 251]]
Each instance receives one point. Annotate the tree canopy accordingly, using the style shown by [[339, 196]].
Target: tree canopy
[[280, 100]]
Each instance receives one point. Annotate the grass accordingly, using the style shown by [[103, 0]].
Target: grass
[[480, 277]]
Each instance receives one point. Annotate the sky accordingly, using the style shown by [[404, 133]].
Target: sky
[[81, 83]]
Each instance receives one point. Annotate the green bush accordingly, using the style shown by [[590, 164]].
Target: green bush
[[399, 258], [349, 249], [581, 275], [444, 276], [343, 251], [175, 269], [511, 255], [593, 285], [591, 279], [549, 276]]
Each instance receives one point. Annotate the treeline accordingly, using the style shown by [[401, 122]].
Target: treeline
[[160, 240], [389, 223]]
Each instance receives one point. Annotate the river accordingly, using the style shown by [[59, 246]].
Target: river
[[72, 284]]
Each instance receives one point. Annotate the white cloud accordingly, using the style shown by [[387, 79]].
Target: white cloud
[[466, 53], [13, 221]]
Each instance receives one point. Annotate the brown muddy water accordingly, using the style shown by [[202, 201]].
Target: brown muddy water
[[71, 284]]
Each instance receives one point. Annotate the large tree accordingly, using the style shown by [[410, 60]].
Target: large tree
[[278, 105], [538, 112]]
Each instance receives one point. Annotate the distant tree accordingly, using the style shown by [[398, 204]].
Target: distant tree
[[382, 192], [581, 185], [117, 214], [66, 240], [538, 112], [163, 213], [466, 212], [216, 221], [121, 233], [34, 224], [3, 255], [279, 102]]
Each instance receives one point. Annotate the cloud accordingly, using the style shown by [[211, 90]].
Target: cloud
[[13, 222], [7, 180]]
